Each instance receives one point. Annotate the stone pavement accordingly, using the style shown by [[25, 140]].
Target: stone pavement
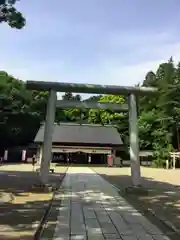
[[92, 209]]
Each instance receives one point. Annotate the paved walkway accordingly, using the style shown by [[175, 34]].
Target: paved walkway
[[92, 209]]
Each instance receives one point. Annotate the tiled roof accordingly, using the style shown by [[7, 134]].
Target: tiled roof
[[85, 133]]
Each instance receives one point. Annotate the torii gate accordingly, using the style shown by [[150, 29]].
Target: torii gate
[[54, 87]]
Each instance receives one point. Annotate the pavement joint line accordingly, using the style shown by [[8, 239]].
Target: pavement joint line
[[41, 225], [167, 223]]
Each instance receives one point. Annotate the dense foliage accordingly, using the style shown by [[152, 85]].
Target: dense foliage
[[22, 111], [10, 15], [160, 115]]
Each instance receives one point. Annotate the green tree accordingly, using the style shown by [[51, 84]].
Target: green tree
[[160, 113], [10, 15], [94, 98], [147, 123], [150, 79], [72, 114], [68, 96], [21, 112], [111, 117], [106, 116]]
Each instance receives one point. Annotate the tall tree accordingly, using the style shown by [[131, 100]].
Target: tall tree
[[21, 111], [111, 117], [163, 108], [72, 114]]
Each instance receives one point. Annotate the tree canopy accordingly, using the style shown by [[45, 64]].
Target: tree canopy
[[10, 15], [22, 111]]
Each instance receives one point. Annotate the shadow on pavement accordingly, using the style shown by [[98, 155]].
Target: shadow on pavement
[[90, 206], [162, 198], [21, 207]]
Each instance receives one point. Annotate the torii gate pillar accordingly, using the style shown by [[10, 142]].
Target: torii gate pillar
[[48, 132], [134, 141]]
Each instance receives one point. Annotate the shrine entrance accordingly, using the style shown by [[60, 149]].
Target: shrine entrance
[[54, 87]]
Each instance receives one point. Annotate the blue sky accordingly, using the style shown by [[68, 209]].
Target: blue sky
[[91, 41]]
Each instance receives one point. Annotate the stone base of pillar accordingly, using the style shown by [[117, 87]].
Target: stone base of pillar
[[136, 190], [45, 188]]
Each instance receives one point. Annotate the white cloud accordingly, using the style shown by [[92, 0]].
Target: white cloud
[[123, 59], [140, 38]]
